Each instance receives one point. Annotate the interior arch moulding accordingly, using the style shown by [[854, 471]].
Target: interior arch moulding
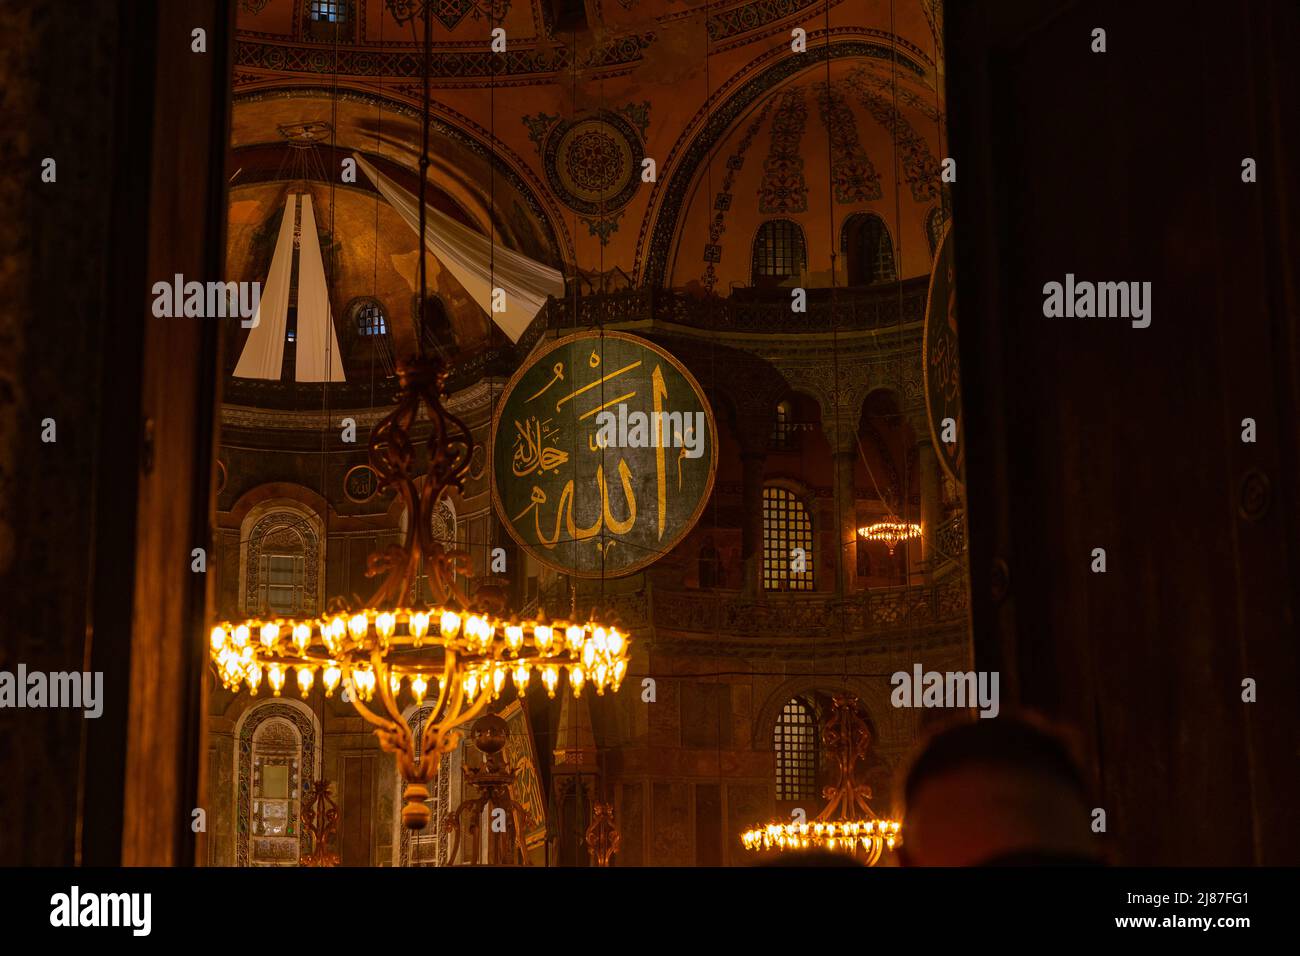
[[464, 155], [704, 149]]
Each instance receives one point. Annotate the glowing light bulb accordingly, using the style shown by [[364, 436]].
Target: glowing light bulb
[[498, 680], [240, 637], [620, 669], [305, 679], [615, 642], [254, 676], [301, 637], [395, 684], [550, 678], [577, 677], [514, 637], [218, 639], [270, 634], [275, 677], [418, 686], [419, 626], [574, 637], [358, 626], [470, 683], [543, 638], [589, 654], [330, 678], [385, 624], [521, 675], [600, 639], [449, 624]]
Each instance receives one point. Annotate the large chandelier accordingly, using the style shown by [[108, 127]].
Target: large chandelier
[[459, 653], [891, 531], [459, 656], [847, 824]]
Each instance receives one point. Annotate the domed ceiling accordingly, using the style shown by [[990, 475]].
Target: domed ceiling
[[544, 147]]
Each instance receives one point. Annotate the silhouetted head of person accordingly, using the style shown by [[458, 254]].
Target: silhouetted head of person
[[997, 792]]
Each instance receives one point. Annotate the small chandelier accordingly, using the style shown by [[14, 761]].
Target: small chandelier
[[891, 531], [847, 824], [460, 657]]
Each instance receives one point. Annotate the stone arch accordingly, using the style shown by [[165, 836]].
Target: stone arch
[[261, 525], [444, 795], [712, 123], [770, 710], [308, 728]]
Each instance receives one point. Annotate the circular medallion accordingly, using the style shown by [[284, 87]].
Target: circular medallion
[[604, 452], [221, 476], [594, 164], [360, 483]]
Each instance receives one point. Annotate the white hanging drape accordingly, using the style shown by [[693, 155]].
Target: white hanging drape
[[318, 345], [263, 353], [468, 256]]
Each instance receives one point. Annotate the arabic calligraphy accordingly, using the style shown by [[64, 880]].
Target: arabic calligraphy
[[532, 453], [572, 484]]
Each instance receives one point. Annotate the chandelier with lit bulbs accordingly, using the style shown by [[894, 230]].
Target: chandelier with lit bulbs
[[847, 824], [455, 653], [891, 531]]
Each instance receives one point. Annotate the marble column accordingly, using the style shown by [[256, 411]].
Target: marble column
[[846, 525], [931, 502], [751, 535]]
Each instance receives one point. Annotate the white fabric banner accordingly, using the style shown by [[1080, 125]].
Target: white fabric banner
[[318, 345], [263, 354], [467, 255]]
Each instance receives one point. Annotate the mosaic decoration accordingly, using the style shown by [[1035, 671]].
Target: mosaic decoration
[[906, 95], [783, 189], [920, 168], [656, 238], [604, 226], [594, 163], [526, 788], [246, 784], [537, 127], [448, 12], [452, 64], [853, 178], [638, 114], [755, 15], [722, 202]]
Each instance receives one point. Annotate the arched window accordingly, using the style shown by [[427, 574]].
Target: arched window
[[934, 223], [783, 426], [328, 11], [795, 743], [282, 559], [371, 319], [277, 758], [787, 542], [866, 245], [779, 253]]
